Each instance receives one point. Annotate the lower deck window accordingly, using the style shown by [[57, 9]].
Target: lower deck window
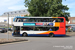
[[39, 28]]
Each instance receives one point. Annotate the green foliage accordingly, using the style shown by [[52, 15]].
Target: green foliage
[[68, 30], [52, 8], [10, 26]]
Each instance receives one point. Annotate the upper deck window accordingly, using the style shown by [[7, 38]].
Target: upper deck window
[[39, 20], [59, 20]]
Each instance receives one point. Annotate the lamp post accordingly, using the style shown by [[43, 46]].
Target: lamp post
[[8, 27]]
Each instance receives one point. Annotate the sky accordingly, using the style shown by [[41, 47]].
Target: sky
[[12, 5]]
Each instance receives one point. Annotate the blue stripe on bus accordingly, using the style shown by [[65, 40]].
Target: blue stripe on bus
[[59, 35], [41, 35], [20, 34], [44, 35], [38, 34], [12, 34]]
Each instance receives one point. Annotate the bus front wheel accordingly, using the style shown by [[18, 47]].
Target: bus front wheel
[[24, 34], [51, 35]]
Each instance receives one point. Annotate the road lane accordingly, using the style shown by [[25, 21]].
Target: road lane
[[41, 43]]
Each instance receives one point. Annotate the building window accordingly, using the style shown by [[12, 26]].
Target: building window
[[4, 13], [11, 12], [19, 11], [73, 21], [24, 11], [15, 12]]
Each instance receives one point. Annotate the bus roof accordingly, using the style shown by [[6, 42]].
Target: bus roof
[[39, 17]]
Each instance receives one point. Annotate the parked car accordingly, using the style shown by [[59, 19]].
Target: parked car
[[10, 29], [2, 30]]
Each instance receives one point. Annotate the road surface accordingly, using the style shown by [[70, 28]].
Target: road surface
[[40, 43]]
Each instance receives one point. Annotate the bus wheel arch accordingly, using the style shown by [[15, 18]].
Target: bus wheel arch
[[24, 34], [51, 34]]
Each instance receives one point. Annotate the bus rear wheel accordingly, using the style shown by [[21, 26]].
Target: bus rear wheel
[[24, 34], [51, 35]]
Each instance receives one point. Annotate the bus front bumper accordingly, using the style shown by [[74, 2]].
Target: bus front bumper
[[59, 35]]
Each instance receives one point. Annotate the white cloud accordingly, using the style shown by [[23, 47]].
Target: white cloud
[[17, 7], [7, 2], [10, 5]]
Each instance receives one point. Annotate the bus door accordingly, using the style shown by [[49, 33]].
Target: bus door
[[16, 30]]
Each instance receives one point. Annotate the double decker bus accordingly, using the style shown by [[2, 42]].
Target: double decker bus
[[39, 26]]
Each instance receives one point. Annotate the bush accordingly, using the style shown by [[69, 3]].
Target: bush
[[68, 30]]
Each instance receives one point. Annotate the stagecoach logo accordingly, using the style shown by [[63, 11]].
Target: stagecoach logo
[[29, 24]]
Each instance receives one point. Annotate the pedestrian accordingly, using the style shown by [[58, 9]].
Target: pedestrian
[[54, 20], [50, 29]]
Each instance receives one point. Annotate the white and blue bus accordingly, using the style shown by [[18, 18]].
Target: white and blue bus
[[39, 26]]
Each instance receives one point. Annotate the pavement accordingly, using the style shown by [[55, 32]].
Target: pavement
[[70, 33], [4, 40], [40, 43], [10, 40]]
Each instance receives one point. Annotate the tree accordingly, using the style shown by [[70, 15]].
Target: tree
[[48, 8]]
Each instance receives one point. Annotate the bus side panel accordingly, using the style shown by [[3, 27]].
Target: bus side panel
[[28, 32], [61, 31], [42, 33], [36, 33]]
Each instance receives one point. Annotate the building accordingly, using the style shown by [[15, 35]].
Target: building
[[12, 14], [2, 24], [21, 13], [71, 21], [5, 20]]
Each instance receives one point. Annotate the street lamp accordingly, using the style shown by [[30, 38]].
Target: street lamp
[[8, 26]]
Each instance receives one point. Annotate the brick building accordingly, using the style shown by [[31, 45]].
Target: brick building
[[71, 22]]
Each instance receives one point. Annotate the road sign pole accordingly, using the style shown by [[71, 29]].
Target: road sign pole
[[8, 27]]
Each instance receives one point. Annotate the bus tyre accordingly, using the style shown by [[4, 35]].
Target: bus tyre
[[24, 34], [51, 35]]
